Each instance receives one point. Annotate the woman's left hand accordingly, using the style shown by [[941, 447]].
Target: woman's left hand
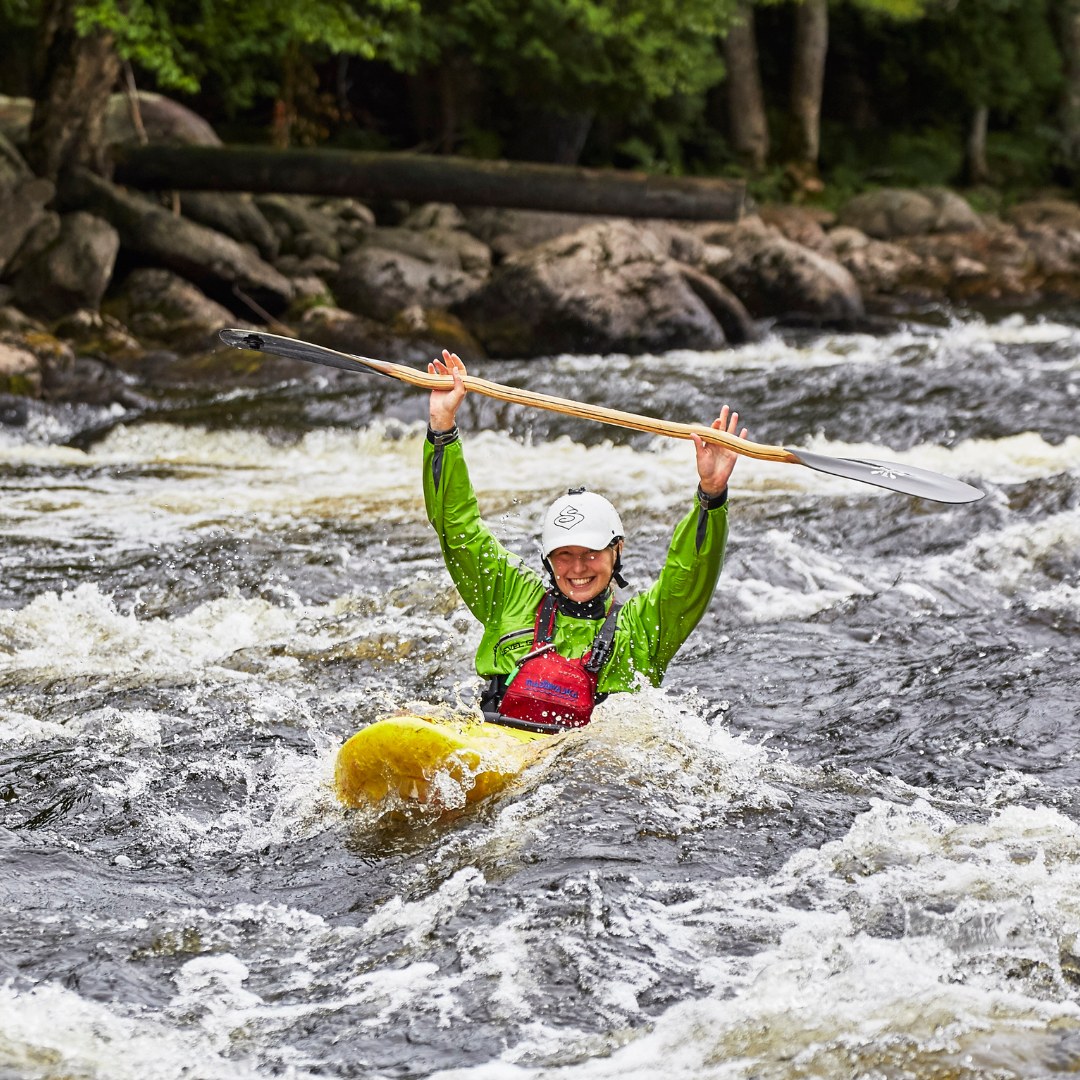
[[715, 463]]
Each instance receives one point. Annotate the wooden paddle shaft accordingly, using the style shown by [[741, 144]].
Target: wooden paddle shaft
[[584, 411]]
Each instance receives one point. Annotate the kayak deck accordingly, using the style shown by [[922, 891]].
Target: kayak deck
[[432, 762]]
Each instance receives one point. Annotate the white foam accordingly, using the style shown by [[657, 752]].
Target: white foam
[[49, 1031], [984, 910]]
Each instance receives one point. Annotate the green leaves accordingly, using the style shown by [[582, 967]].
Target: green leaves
[[586, 54], [244, 42]]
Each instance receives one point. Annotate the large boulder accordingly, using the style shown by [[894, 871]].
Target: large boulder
[[22, 210], [893, 212], [216, 263], [23, 201], [235, 214], [396, 268], [609, 287], [774, 276], [507, 231], [160, 118], [161, 308], [72, 272]]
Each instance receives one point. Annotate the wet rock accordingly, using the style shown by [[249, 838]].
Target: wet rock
[[42, 235], [395, 268], [880, 268], [726, 307], [234, 214], [994, 264], [216, 263], [14, 321], [893, 212], [800, 224], [161, 308], [23, 202], [59, 374], [507, 231], [318, 265], [681, 243], [94, 334], [1053, 212], [414, 336], [218, 367], [434, 216], [71, 272], [773, 276], [302, 225], [89, 381], [609, 287], [20, 370]]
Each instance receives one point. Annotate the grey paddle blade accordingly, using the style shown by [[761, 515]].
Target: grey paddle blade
[[291, 349], [888, 474]]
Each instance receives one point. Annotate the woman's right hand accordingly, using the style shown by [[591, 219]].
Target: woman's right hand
[[445, 403]]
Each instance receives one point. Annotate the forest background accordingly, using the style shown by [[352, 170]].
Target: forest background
[[810, 101]]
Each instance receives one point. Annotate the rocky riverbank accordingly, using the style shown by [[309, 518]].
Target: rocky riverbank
[[107, 295]]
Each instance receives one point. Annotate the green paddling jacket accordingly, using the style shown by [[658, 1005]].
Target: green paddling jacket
[[504, 594]]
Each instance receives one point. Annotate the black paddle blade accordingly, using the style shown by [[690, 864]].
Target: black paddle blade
[[292, 349], [888, 474]]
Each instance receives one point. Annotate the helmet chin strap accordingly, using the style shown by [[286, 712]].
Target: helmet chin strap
[[616, 572]]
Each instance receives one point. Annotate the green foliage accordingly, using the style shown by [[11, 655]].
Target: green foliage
[[580, 54], [894, 9], [998, 53], [922, 158], [905, 75], [18, 14], [563, 54], [241, 44], [145, 35]]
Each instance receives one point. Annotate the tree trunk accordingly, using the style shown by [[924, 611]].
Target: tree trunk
[[808, 80], [1069, 40], [77, 77], [747, 124], [428, 178], [978, 172]]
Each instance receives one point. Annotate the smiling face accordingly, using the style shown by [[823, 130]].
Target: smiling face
[[581, 573]]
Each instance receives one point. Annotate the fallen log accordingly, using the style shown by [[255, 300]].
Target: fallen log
[[418, 178]]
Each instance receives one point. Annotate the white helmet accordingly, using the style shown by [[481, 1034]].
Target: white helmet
[[580, 519]]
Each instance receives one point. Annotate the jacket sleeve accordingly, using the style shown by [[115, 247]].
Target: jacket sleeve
[[675, 604], [481, 568]]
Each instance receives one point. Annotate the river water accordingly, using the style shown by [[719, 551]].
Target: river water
[[842, 841]]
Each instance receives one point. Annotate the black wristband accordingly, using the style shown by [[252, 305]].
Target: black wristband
[[441, 438], [711, 502]]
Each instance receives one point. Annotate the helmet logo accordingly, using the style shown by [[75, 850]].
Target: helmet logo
[[568, 517]]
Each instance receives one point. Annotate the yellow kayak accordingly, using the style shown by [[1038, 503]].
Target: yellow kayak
[[431, 761]]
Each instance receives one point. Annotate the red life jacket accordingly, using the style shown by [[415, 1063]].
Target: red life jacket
[[552, 692]]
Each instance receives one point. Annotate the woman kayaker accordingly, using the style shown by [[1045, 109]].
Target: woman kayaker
[[550, 652]]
